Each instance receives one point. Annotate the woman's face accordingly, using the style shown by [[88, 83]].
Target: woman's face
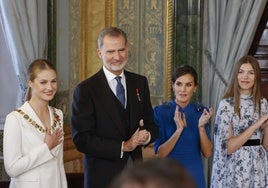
[[183, 88], [246, 78], [44, 86]]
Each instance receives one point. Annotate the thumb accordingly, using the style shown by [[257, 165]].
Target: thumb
[[137, 131], [141, 123]]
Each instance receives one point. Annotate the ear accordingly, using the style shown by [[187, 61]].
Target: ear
[[99, 53], [195, 89], [29, 82]]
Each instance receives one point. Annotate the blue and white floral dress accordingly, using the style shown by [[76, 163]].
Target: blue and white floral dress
[[248, 166]]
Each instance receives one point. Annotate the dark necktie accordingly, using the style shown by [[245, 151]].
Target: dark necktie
[[120, 91]]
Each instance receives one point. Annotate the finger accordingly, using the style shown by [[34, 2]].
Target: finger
[[137, 131], [184, 119], [211, 112]]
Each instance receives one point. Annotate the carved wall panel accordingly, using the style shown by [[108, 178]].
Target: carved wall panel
[[148, 25]]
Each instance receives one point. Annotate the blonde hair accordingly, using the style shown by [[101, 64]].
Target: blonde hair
[[34, 69], [233, 87]]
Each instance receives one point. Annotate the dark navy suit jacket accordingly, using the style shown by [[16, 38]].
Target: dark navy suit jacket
[[100, 124]]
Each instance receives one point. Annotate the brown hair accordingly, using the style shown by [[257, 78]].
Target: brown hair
[[111, 31], [34, 69], [233, 87], [182, 70], [159, 172]]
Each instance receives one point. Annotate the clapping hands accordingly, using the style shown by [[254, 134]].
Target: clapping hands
[[205, 117], [179, 119], [140, 137]]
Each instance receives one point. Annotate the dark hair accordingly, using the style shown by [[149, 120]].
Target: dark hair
[[182, 70], [160, 172], [34, 69], [111, 31], [233, 87]]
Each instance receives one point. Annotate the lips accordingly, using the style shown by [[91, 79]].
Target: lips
[[49, 93]]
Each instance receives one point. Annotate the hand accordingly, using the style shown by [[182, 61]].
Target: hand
[[262, 122], [54, 139], [143, 134], [143, 137], [206, 115], [179, 119], [132, 143]]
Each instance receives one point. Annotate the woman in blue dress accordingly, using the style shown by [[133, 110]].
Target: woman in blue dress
[[241, 131], [183, 126]]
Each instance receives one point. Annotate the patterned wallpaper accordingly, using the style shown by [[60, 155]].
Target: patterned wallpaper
[[145, 23]]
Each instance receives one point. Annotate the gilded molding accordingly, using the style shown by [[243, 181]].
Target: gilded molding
[[168, 48], [75, 44], [109, 13]]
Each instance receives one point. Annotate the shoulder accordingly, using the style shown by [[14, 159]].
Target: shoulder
[[227, 102], [264, 100], [198, 107], [13, 114], [133, 75], [91, 80], [57, 110], [164, 106]]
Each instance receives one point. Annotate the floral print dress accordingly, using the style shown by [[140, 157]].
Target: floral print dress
[[248, 166]]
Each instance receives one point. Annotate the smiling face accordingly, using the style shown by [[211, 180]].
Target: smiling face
[[44, 86], [114, 53], [246, 78], [183, 88]]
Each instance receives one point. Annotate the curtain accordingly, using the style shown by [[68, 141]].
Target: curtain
[[25, 31], [231, 28]]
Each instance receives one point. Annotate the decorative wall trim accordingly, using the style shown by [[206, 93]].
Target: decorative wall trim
[[149, 26], [109, 13], [168, 48], [75, 46]]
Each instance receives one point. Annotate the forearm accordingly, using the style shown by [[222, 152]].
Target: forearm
[[236, 142], [206, 145], [165, 148], [265, 137]]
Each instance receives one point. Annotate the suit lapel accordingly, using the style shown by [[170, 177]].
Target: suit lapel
[[108, 100], [132, 101]]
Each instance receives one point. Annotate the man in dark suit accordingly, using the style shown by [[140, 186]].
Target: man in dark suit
[[110, 129]]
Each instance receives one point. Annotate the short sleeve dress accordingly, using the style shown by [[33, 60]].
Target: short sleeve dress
[[187, 150], [248, 166]]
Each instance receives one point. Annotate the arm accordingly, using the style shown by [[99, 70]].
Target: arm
[[236, 142], [206, 145], [265, 136], [21, 156], [165, 148], [148, 117], [93, 131]]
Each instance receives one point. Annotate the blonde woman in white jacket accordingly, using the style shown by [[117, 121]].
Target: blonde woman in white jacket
[[33, 134]]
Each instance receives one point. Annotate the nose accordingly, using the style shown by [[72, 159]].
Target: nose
[[245, 75], [117, 55], [49, 86], [183, 88]]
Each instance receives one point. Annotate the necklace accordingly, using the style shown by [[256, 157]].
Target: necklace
[[40, 128]]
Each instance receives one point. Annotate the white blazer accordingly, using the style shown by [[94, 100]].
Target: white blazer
[[27, 159]]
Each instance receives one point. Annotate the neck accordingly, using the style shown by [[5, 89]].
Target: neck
[[181, 104], [39, 106]]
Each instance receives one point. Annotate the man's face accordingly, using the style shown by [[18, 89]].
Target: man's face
[[114, 53]]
